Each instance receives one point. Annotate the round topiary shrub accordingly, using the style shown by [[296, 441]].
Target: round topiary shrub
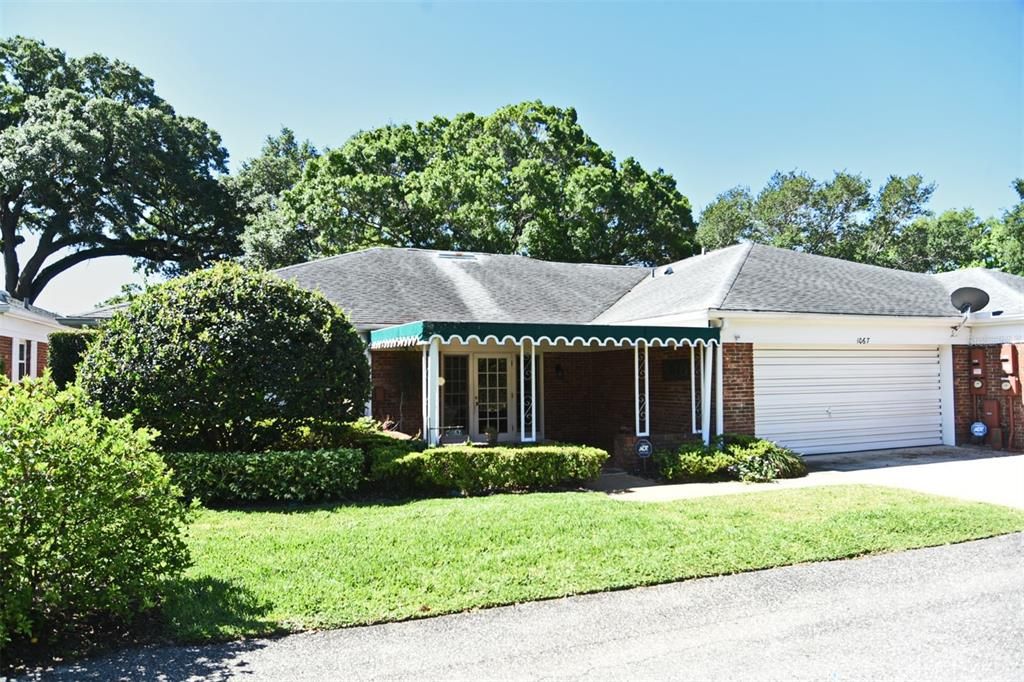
[[91, 523], [228, 359]]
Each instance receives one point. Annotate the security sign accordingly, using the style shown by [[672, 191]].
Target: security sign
[[643, 448], [979, 429]]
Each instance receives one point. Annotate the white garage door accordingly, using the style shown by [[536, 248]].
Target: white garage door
[[839, 399]]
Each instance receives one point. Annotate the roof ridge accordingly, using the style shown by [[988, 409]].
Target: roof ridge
[[337, 255], [736, 273]]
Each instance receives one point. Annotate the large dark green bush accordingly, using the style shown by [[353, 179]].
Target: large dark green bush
[[228, 360], [66, 350], [275, 476], [90, 522], [729, 457], [476, 470]]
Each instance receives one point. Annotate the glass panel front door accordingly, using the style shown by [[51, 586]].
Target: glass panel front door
[[492, 395]]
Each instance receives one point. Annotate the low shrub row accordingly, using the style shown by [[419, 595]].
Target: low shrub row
[[730, 457], [478, 470], [276, 476], [360, 457]]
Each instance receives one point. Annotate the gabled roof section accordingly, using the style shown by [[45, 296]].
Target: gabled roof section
[[758, 278], [779, 280], [385, 286], [1006, 291], [691, 285]]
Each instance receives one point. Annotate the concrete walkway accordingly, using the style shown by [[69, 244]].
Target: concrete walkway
[[967, 473], [945, 613]]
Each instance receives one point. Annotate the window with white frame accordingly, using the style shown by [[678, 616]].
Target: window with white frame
[[23, 361]]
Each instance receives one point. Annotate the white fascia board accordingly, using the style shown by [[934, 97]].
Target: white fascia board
[[26, 328], [31, 317], [825, 329], [1008, 331], [830, 317]]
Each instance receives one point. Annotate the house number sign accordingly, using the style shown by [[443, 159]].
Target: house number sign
[[862, 340]]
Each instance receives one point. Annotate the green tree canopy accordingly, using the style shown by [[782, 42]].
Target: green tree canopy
[[525, 179], [93, 163], [1008, 234], [841, 217], [258, 188]]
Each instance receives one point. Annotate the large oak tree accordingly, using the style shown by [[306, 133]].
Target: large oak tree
[[93, 163], [524, 179]]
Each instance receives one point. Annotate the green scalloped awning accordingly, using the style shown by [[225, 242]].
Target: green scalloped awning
[[422, 332]]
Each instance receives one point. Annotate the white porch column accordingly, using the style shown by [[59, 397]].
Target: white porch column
[[522, 390], [705, 396], [719, 391], [527, 392], [423, 396], [693, 390], [641, 386], [368, 411], [433, 390]]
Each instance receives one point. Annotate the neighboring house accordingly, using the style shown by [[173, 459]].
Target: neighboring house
[[24, 334], [820, 354]]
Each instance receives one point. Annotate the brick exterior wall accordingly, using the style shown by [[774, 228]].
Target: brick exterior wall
[[968, 407], [42, 351], [397, 397], [588, 397], [7, 355], [738, 387]]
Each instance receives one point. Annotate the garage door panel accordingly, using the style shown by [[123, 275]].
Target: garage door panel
[[865, 372], [860, 398], [818, 400], [824, 447]]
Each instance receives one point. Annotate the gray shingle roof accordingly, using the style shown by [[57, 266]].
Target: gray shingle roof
[[18, 303], [384, 286], [1006, 291], [780, 280], [753, 277], [394, 285]]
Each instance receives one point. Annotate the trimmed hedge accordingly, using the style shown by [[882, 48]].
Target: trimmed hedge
[[730, 457], [66, 350], [296, 476], [477, 470], [380, 448]]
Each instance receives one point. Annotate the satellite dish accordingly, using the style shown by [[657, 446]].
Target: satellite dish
[[968, 299]]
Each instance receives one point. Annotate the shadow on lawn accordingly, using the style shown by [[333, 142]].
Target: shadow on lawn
[[197, 610]]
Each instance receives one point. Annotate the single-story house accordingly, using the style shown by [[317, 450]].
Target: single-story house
[[24, 334], [819, 354]]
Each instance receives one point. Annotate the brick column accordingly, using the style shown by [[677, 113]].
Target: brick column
[[738, 359]]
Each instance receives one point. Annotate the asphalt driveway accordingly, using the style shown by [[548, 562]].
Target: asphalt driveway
[[976, 474], [944, 613]]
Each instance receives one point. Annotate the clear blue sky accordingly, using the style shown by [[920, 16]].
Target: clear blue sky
[[717, 94]]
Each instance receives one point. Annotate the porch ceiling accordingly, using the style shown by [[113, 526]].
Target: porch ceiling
[[422, 332]]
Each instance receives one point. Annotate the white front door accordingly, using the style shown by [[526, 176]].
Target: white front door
[[493, 396]]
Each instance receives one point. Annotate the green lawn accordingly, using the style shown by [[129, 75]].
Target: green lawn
[[264, 571]]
